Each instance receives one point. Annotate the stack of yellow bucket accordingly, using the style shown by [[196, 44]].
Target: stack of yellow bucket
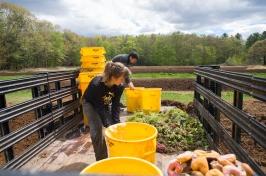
[[92, 64]]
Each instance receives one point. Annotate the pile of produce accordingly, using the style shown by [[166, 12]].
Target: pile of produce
[[177, 131], [208, 163]]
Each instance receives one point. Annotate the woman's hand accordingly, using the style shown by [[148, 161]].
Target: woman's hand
[[131, 85]]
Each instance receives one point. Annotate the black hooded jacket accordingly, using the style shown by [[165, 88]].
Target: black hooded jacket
[[125, 59], [122, 58]]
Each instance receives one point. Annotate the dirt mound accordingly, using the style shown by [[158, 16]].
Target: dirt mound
[[174, 103], [257, 109], [189, 108], [166, 83]]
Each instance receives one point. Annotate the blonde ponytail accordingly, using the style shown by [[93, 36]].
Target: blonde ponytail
[[114, 69]]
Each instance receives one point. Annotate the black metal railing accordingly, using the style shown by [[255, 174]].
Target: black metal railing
[[55, 103], [209, 104]]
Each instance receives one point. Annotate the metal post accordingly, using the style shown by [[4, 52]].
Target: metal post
[[238, 102], [74, 96], [59, 102], [4, 129], [36, 92], [215, 88], [49, 106], [206, 106], [196, 94]]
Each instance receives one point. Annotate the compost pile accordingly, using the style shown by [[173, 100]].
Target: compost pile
[[177, 131]]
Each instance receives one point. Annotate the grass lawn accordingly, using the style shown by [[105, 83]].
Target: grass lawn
[[163, 75], [18, 97], [2, 78], [187, 96], [181, 96], [178, 75], [261, 75]]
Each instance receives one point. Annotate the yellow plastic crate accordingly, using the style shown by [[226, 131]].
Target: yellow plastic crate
[[85, 78], [151, 99], [87, 51], [133, 98], [92, 59], [93, 65], [99, 69]]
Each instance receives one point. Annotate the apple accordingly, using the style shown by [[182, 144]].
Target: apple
[[174, 168]]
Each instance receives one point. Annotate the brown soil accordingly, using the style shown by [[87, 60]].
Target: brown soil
[[189, 108], [257, 109], [166, 83], [174, 103], [2, 158], [16, 124]]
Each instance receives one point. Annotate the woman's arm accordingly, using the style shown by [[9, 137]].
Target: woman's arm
[[128, 80]]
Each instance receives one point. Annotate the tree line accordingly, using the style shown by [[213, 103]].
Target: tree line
[[26, 42]]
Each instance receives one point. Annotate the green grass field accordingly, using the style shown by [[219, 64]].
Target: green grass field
[[3, 78], [18, 97], [261, 75], [178, 75], [187, 96], [163, 75]]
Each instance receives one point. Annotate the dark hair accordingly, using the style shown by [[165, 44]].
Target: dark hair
[[133, 54], [115, 69]]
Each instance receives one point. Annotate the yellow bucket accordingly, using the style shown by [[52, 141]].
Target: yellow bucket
[[133, 99], [132, 139], [122, 166], [87, 51], [151, 99]]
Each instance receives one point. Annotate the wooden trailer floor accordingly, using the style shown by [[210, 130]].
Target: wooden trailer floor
[[73, 152]]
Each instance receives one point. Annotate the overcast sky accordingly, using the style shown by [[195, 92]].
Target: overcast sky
[[115, 17]]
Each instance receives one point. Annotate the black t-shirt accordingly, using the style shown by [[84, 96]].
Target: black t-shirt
[[104, 99]]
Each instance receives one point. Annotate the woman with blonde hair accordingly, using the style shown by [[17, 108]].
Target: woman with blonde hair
[[101, 103]]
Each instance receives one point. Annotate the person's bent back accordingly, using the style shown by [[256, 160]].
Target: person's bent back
[[127, 59]]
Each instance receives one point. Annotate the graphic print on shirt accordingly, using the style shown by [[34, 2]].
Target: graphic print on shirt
[[108, 98]]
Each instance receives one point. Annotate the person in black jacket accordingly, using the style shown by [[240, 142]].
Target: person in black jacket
[[101, 103], [127, 60]]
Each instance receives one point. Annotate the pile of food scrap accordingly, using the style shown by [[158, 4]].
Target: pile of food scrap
[[177, 131]]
